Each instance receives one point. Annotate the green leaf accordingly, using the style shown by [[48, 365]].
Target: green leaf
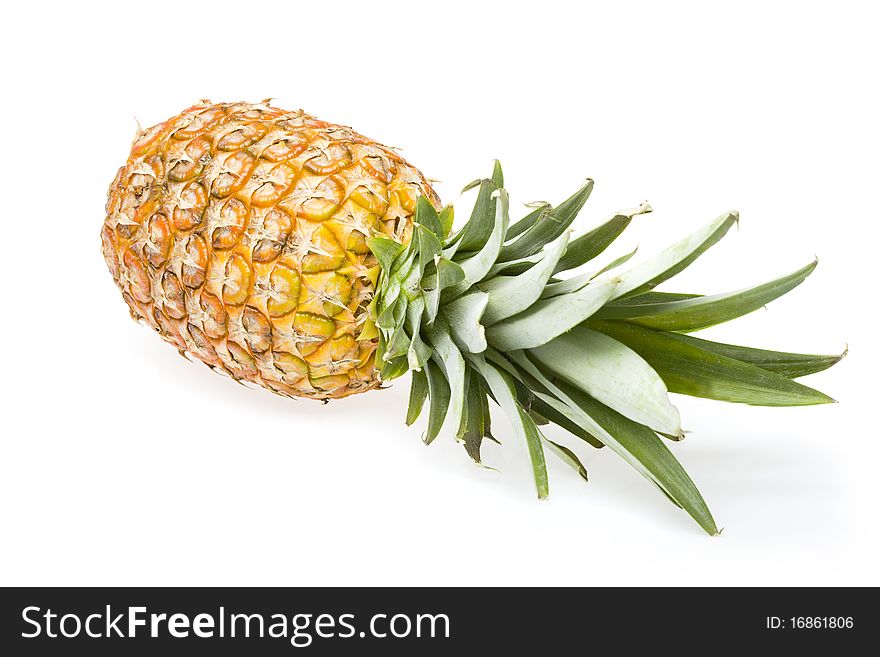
[[418, 392], [568, 457], [521, 226], [497, 175], [447, 217], [487, 416], [479, 227], [674, 258], [404, 262], [447, 274], [701, 312], [389, 291], [690, 370], [414, 312], [589, 245], [397, 344], [565, 421], [783, 363], [633, 442], [509, 295], [515, 267], [409, 285], [450, 359], [429, 248], [369, 331], [463, 317], [450, 273], [474, 419], [613, 374], [385, 250], [500, 384], [393, 368], [471, 185], [652, 456], [653, 297], [614, 264], [534, 438], [427, 216], [418, 353], [476, 267], [575, 283], [549, 318], [551, 226], [438, 396]]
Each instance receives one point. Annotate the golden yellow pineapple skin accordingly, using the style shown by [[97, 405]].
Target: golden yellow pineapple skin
[[238, 232]]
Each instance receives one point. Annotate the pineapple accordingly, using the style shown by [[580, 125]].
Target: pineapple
[[300, 256], [239, 233]]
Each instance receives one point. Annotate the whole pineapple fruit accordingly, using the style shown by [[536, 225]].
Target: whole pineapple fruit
[[239, 232], [303, 257]]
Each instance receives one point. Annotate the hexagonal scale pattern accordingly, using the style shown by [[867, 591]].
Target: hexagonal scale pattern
[[238, 232]]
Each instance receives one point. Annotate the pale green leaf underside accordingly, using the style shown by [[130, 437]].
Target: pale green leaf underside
[[614, 374], [511, 295], [673, 259], [549, 318]]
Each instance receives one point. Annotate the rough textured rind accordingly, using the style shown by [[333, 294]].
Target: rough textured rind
[[238, 232]]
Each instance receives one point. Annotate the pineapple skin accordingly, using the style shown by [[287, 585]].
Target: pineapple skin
[[238, 232]]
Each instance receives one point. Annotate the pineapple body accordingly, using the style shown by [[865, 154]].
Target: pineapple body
[[238, 232]]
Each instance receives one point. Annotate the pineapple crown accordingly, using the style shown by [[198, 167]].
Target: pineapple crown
[[486, 312]]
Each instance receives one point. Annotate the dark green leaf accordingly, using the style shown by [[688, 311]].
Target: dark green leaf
[[534, 438], [565, 422], [418, 392], [653, 297], [471, 185], [529, 220], [589, 245], [568, 457], [474, 427], [477, 265], [783, 363], [438, 396], [652, 454], [497, 175], [549, 228], [702, 312], [479, 227], [688, 369]]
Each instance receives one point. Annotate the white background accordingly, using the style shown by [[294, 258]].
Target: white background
[[123, 464]]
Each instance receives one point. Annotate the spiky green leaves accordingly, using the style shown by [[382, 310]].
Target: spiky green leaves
[[504, 311]]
